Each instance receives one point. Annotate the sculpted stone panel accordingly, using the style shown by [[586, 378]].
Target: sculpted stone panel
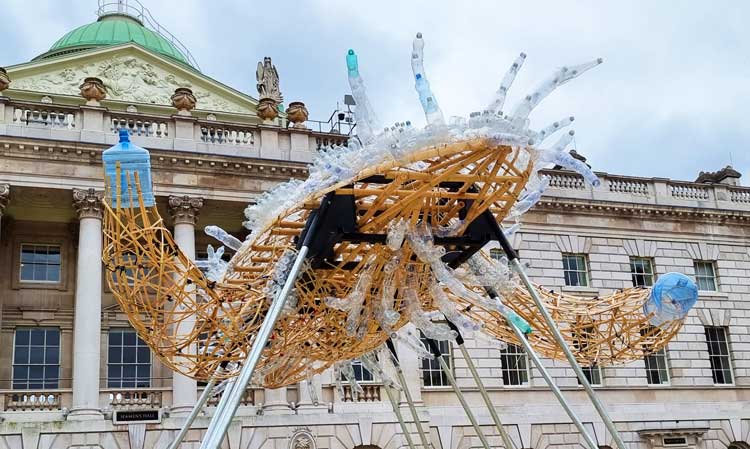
[[127, 78]]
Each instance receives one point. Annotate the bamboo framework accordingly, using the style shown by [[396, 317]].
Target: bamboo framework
[[196, 326]]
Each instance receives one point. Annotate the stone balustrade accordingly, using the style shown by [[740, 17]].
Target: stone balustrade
[[370, 393], [191, 134], [247, 399], [25, 401], [647, 191], [127, 399]]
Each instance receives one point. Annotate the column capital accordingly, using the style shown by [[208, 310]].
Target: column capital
[[4, 197], [185, 209], [88, 203]]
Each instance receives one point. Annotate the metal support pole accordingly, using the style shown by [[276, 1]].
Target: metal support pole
[[552, 386], [193, 413], [407, 394], [220, 422], [447, 371], [470, 363], [399, 416], [222, 404], [518, 267]]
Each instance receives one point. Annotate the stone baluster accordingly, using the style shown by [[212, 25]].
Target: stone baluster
[[184, 211], [88, 305]]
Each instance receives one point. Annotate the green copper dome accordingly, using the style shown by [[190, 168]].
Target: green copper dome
[[114, 29]]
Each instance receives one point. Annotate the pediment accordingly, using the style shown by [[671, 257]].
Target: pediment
[[132, 75]]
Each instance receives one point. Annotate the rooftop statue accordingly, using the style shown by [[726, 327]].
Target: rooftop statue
[[268, 81]]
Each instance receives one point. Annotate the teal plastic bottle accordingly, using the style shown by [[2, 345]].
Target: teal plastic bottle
[[133, 159]]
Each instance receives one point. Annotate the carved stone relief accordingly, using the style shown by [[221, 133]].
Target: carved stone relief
[[126, 78], [302, 439]]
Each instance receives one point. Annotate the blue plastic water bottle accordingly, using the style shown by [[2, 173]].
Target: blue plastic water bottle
[[672, 297], [133, 159]]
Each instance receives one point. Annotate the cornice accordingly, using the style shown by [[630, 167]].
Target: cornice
[[86, 154], [640, 210]]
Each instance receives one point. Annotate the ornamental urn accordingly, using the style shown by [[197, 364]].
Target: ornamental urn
[[184, 100], [4, 79], [267, 109], [297, 114], [93, 90]]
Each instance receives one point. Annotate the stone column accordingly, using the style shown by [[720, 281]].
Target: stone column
[[184, 211], [88, 305]]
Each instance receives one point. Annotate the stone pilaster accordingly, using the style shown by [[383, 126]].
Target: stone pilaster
[[184, 211], [88, 305], [276, 402]]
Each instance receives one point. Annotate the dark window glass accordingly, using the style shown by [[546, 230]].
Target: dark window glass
[[36, 358], [40, 263], [129, 362], [575, 270], [718, 354]]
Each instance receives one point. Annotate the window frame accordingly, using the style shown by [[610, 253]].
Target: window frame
[[504, 355], [44, 364], [714, 278], [590, 371], [711, 357], [426, 368], [138, 344], [19, 276], [585, 272], [634, 273], [660, 353]]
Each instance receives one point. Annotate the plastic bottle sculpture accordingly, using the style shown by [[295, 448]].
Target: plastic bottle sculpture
[[404, 213]]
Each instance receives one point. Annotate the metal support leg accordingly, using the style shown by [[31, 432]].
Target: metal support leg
[[518, 267], [449, 375], [222, 405], [470, 363], [220, 422], [193, 413], [407, 395], [399, 416], [552, 386]]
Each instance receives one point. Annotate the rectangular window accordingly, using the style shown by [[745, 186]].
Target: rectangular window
[[593, 374], [40, 263], [705, 276], [575, 270], [642, 272], [432, 374], [36, 358], [128, 360], [718, 354], [657, 371], [515, 365], [361, 373]]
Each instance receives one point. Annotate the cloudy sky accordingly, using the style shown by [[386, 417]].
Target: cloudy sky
[[668, 102]]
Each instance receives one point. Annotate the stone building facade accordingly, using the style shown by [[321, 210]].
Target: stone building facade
[[69, 363]]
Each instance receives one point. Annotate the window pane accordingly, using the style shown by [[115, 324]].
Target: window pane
[[36, 355], [21, 355], [53, 337], [52, 355], [143, 355], [37, 337], [115, 338], [575, 270], [128, 338]]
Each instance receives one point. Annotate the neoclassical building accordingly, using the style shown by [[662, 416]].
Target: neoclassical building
[[70, 365]]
